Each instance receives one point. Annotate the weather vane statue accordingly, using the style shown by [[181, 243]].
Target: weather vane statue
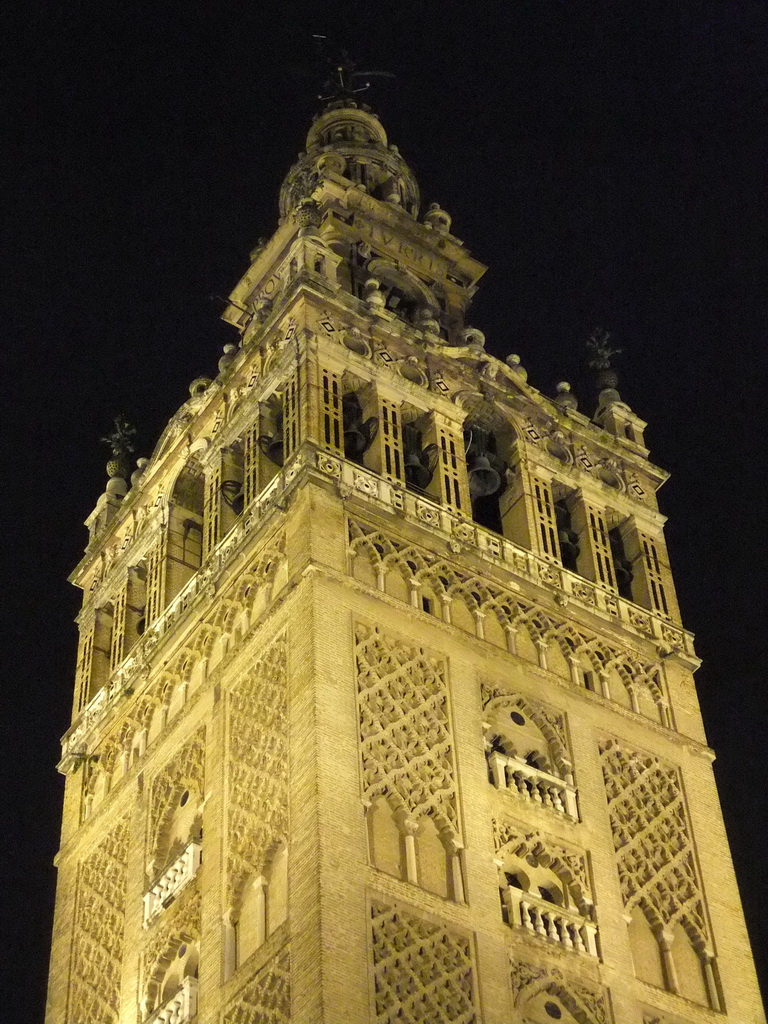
[[600, 356], [121, 442], [342, 80]]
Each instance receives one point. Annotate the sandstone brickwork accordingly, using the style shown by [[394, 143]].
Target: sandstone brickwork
[[383, 708]]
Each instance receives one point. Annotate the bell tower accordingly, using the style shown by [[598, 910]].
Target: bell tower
[[383, 710]]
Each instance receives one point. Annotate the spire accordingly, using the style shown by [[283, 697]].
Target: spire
[[347, 138]]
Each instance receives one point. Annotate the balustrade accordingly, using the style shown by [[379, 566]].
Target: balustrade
[[551, 923], [173, 879], [517, 776], [180, 1008], [419, 509]]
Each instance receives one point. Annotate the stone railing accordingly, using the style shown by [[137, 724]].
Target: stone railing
[[460, 532], [125, 676], [180, 1008], [517, 776], [352, 479], [172, 880], [552, 923]]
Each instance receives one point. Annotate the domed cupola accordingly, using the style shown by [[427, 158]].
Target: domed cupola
[[347, 139]]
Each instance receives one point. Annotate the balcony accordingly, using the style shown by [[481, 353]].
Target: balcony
[[180, 1008], [171, 882], [551, 923], [564, 585], [533, 784]]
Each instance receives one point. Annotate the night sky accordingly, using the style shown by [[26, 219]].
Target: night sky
[[606, 162]]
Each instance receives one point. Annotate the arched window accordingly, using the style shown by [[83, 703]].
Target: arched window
[[525, 761], [486, 473], [541, 897], [185, 528]]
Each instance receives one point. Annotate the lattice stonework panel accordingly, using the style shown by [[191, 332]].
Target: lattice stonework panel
[[98, 937], [651, 836], [266, 999], [257, 766], [423, 970], [405, 735]]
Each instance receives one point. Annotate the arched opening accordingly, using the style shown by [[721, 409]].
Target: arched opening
[[512, 731], [101, 661], [182, 825], [688, 967], [277, 889], [359, 429], [432, 858], [419, 458], [568, 538], [250, 924], [136, 605], [182, 970], [232, 486], [646, 953], [486, 474], [384, 838], [185, 528]]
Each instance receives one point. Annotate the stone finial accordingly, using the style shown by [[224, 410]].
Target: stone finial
[[565, 398], [199, 386], [230, 353], [437, 219], [257, 250], [427, 322], [374, 298], [474, 337], [138, 473], [513, 362]]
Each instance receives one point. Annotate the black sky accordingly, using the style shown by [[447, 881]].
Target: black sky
[[605, 160]]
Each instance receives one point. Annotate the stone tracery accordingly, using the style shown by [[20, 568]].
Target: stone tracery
[[651, 836], [258, 767], [423, 970], [266, 999], [405, 735], [584, 1000], [98, 936]]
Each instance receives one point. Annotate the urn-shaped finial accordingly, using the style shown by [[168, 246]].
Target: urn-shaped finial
[[565, 398], [437, 219]]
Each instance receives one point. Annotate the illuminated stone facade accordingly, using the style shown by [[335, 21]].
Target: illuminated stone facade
[[384, 711]]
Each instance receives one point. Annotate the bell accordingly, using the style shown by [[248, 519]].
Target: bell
[[272, 446], [355, 442], [416, 473], [232, 492], [569, 551], [483, 479]]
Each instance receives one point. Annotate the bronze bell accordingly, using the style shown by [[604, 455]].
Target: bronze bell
[[355, 442], [416, 473], [232, 492], [483, 478], [272, 446]]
